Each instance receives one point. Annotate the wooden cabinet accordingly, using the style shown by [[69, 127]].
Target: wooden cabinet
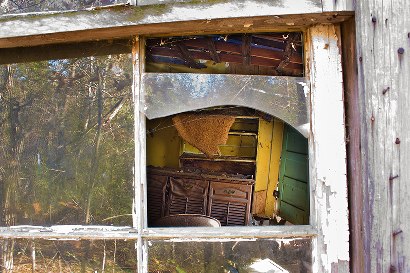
[[230, 203], [187, 195], [157, 196], [172, 192]]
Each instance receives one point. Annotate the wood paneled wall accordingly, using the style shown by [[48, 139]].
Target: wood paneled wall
[[383, 57]]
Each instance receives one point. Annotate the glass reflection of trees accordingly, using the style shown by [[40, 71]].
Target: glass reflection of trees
[[66, 130], [72, 256], [293, 255]]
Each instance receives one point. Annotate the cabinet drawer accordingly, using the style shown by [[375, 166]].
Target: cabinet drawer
[[230, 203], [231, 190]]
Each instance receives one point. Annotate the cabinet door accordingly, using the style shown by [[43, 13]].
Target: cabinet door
[[156, 196], [187, 195], [230, 203]]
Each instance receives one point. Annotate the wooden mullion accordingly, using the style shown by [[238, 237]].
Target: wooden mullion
[[139, 221], [231, 232], [69, 232]]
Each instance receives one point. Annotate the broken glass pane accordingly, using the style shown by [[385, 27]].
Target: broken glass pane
[[66, 130], [252, 256], [24, 255], [26, 6], [283, 97]]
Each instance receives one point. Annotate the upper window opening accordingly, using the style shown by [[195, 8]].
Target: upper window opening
[[275, 54]]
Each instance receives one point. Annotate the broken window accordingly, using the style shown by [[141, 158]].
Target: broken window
[[215, 138], [74, 135]]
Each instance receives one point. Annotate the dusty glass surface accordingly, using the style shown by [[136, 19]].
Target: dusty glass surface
[[66, 130], [23, 255], [283, 97], [267, 255], [26, 6]]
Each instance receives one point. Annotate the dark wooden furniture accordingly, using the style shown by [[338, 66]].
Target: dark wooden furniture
[[172, 192]]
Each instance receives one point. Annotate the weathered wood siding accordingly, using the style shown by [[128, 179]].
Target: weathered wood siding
[[173, 18], [383, 55]]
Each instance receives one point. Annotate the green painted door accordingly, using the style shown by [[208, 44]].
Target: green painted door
[[294, 178]]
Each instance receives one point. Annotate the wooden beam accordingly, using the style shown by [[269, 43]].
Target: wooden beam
[[246, 49], [177, 19], [288, 51], [236, 49], [327, 151], [212, 50], [185, 55], [354, 159]]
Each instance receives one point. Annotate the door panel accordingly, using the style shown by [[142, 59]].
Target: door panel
[[294, 178]]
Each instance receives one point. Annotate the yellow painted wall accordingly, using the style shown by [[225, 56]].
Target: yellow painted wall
[[164, 148], [163, 143], [274, 166], [267, 162], [263, 154]]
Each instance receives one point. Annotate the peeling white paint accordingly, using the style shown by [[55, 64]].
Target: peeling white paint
[[34, 24], [329, 207]]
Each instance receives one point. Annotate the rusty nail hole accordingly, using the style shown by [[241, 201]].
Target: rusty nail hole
[[397, 232], [374, 19], [360, 59], [393, 268], [372, 118], [397, 140], [400, 50], [385, 90], [391, 178]]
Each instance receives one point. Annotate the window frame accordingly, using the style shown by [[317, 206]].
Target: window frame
[[328, 187], [322, 56]]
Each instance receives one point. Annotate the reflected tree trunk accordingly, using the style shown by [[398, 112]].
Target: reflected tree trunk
[[94, 160], [12, 166], [95, 156]]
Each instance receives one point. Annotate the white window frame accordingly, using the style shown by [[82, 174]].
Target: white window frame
[[328, 226], [327, 160]]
